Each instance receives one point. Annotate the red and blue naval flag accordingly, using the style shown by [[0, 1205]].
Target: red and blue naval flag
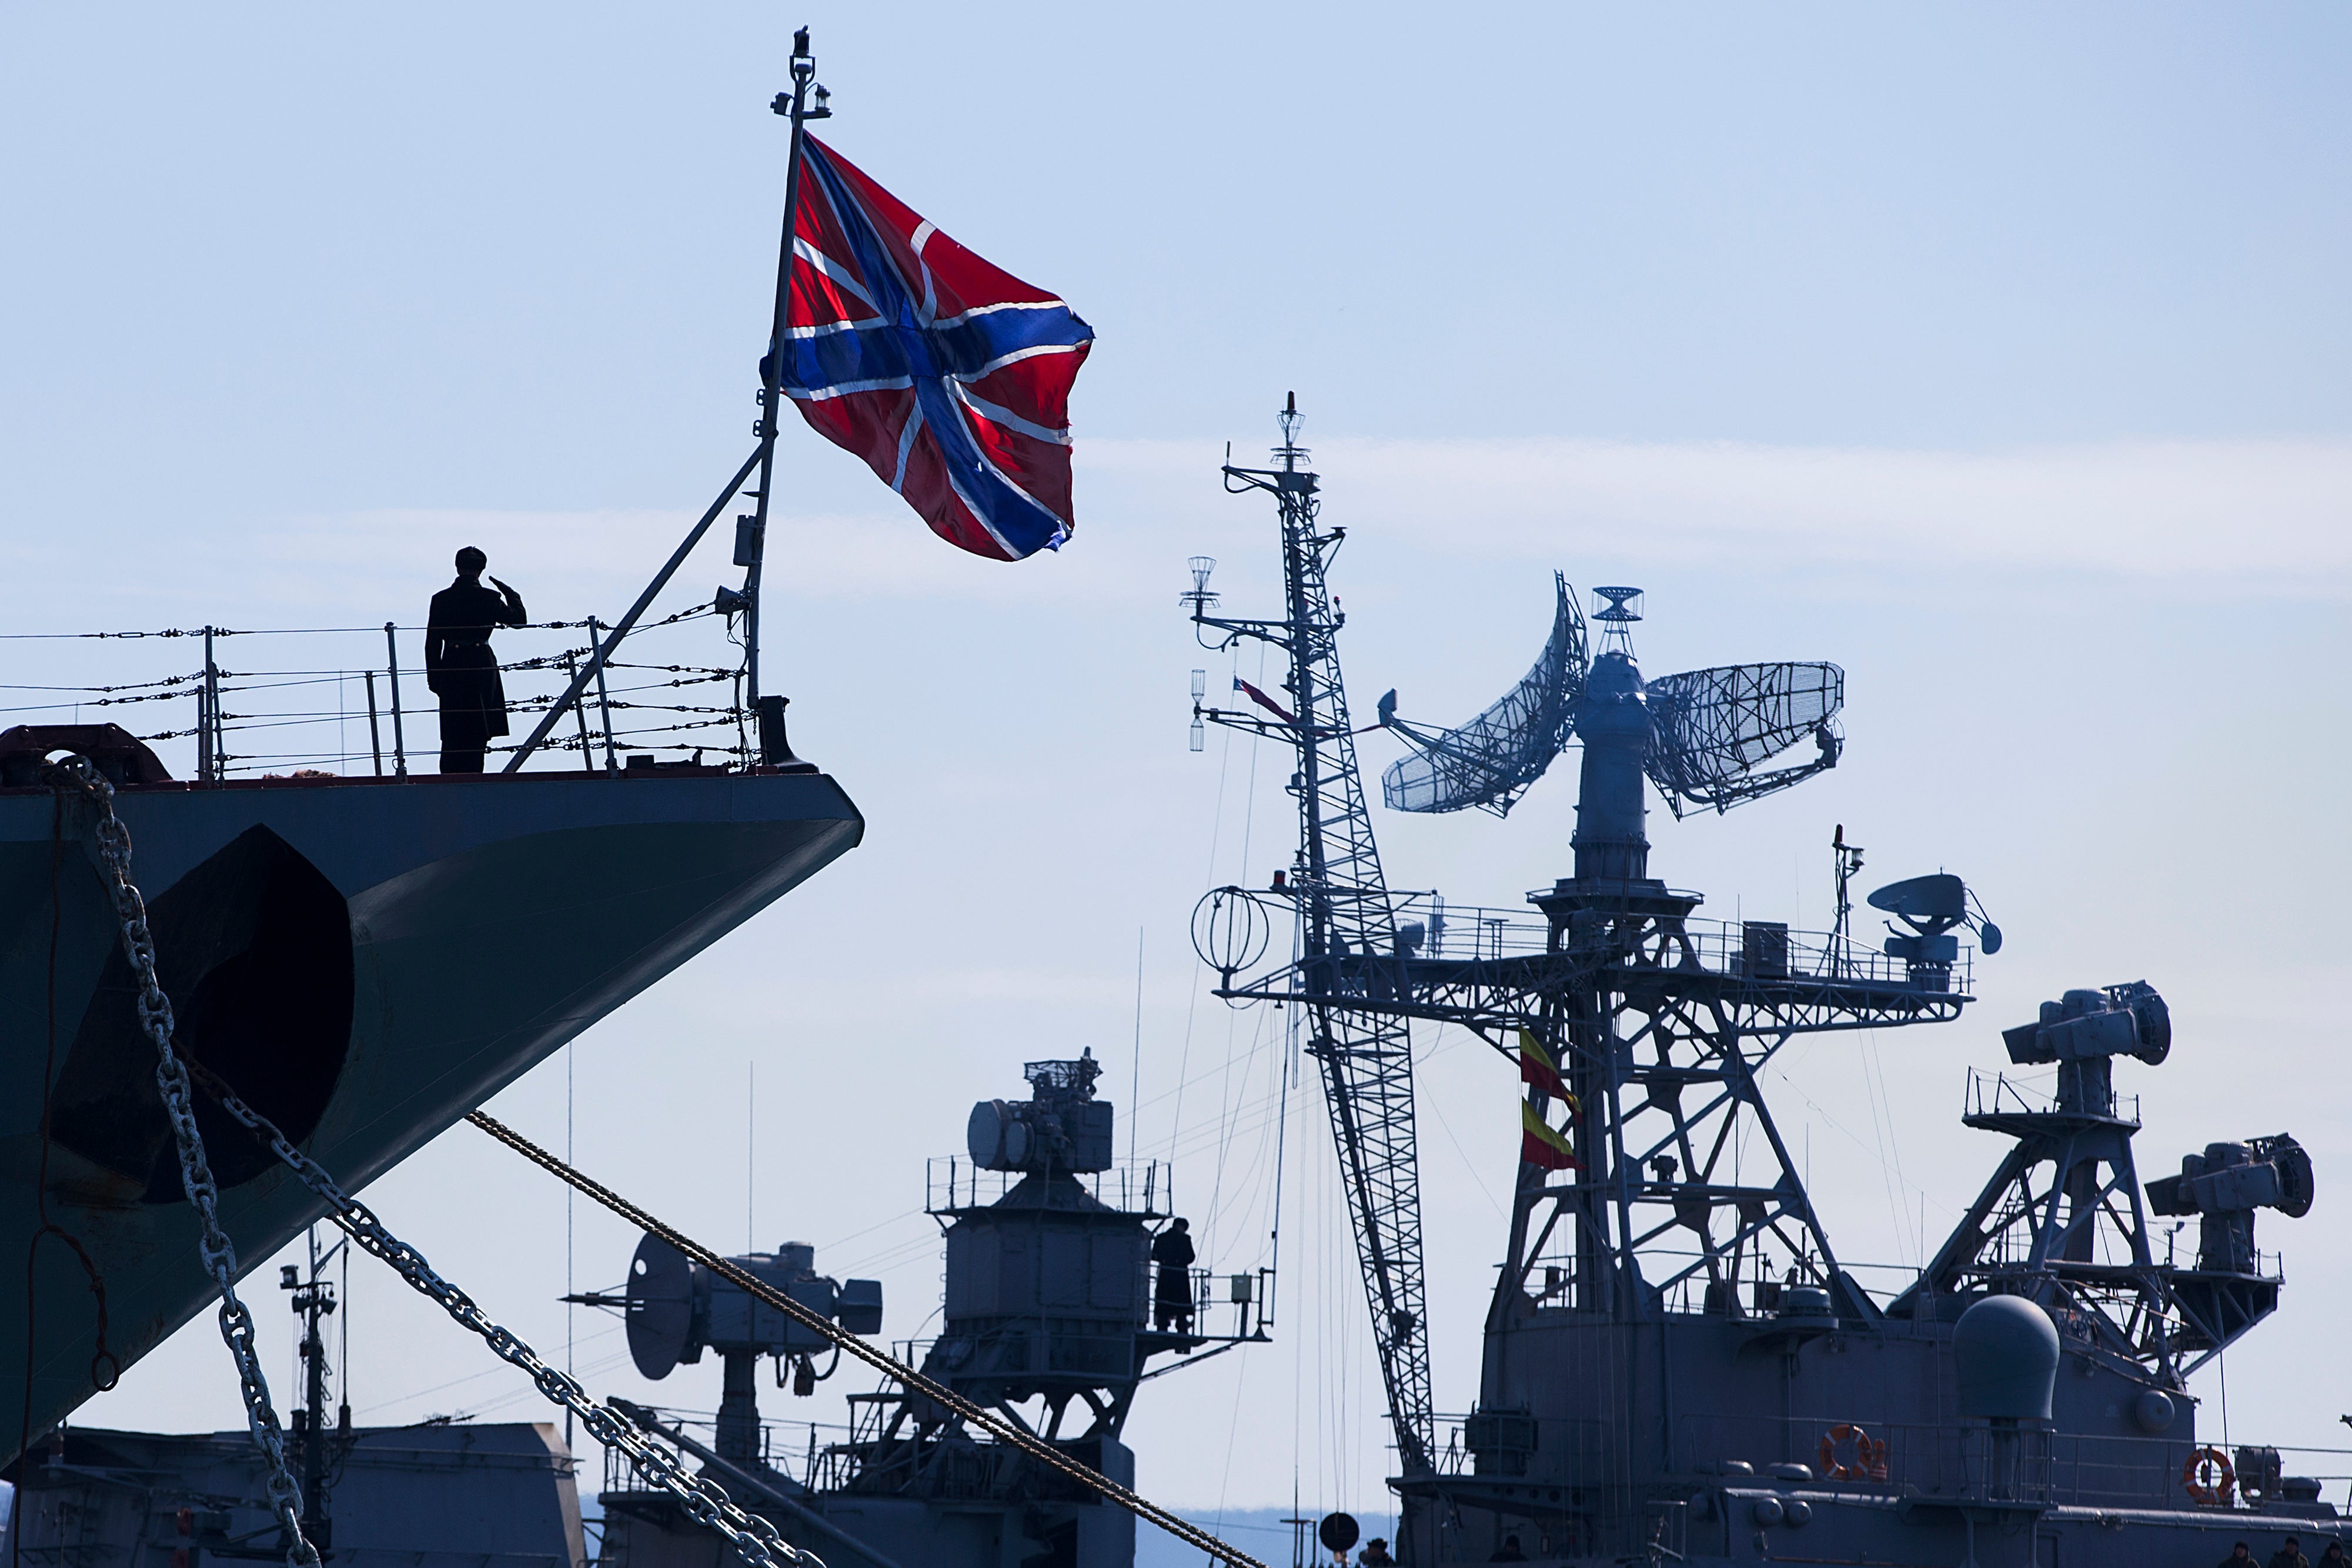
[[949, 375]]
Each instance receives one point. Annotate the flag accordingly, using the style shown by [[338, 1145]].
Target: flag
[[1541, 1145], [1263, 701], [1538, 1067], [949, 376]]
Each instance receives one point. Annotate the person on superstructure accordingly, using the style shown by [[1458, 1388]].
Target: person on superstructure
[[1171, 1300], [460, 666]]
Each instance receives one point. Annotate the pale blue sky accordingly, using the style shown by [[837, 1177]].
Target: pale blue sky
[[1995, 353]]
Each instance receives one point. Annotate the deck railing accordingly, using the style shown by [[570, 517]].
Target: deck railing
[[219, 703], [952, 1182]]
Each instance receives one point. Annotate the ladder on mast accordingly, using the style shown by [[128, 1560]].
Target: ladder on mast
[[1343, 913]]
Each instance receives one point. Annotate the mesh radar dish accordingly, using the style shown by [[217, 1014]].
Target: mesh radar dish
[[1490, 761], [1715, 728], [658, 1306]]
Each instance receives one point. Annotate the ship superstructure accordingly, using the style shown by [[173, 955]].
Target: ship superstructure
[[1053, 1308], [1678, 1364]]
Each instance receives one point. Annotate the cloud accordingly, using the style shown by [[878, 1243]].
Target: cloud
[[2248, 518], [2265, 516]]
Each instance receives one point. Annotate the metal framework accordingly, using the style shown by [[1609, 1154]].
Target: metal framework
[[1662, 1029], [2062, 1221], [1343, 914]]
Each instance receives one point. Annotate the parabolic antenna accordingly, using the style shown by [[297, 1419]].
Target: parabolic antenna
[[2295, 1180], [1712, 729], [1490, 761], [658, 1306], [1927, 904], [997, 1139]]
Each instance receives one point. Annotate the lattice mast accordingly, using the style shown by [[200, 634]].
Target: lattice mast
[[1343, 911]]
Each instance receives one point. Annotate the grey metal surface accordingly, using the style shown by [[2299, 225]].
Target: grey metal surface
[[445, 1495], [480, 924]]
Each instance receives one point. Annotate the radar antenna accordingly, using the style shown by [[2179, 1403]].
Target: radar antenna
[[1702, 737], [1490, 761], [1714, 728]]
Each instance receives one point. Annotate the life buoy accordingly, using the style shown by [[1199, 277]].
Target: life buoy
[[2207, 1478], [1869, 1462]]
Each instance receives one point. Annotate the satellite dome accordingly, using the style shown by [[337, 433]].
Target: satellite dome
[[2005, 1359]]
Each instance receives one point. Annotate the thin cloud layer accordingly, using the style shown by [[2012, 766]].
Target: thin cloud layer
[[2268, 517], [2238, 518]]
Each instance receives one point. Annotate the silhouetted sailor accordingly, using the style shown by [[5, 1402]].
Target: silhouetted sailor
[[459, 665], [1171, 1300]]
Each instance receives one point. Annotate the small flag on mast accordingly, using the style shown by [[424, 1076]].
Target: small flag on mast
[[948, 375], [1541, 1145], [1538, 1068]]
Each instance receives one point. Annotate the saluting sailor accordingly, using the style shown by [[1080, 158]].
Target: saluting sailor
[[460, 666]]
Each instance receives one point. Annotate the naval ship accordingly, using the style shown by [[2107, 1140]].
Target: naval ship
[[1677, 1364]]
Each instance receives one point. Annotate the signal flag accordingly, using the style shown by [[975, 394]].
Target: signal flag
[[1541, 1145], [1539, 1069]]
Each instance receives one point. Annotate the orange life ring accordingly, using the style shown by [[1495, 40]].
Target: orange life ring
[[2207, 1478], [1869, 1456]]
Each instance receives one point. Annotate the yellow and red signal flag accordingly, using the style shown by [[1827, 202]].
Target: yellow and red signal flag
[[1539, 1069], [1543, 1146]]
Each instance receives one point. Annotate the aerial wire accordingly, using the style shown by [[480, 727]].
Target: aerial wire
[[571, 1289], [750, 1153], [1135, 1062], [1217, 830]]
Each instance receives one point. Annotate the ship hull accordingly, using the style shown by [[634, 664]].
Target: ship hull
[[366, 960]]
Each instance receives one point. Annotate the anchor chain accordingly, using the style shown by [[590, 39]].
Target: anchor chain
[[753, 1537], [703, 1499], [195, 1172]]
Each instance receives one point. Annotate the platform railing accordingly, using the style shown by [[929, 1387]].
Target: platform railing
[[354, 701], [1430, 927], [1996, 1094], [1959, 1459], [793, 1447], [1145, 1189]]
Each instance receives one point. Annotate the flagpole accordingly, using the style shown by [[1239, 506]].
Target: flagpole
[[751, 532], [600, 653]]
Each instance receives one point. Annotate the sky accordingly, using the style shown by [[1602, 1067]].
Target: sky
[[1994, 353]]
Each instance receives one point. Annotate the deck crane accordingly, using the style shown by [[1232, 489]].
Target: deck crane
[[1343, 913]]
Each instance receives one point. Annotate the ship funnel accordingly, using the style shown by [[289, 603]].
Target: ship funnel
[[2005, 1359]]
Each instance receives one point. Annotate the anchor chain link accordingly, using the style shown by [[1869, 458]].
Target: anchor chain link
[[213, 1245]]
